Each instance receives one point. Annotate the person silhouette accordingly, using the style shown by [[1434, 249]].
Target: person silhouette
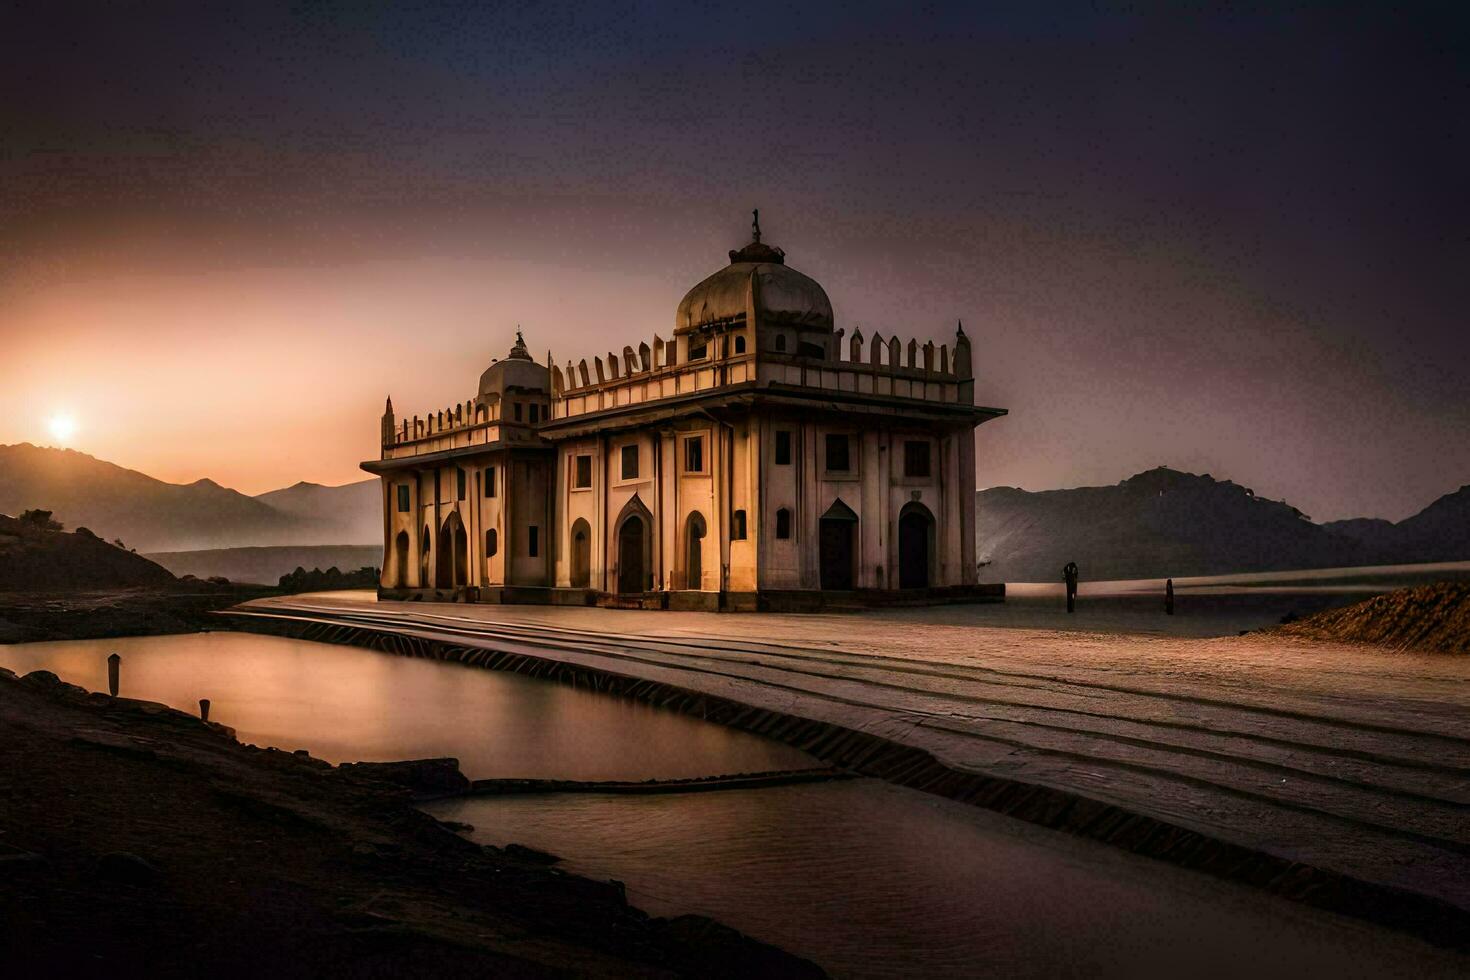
[[1069, 575], [1169, 597]]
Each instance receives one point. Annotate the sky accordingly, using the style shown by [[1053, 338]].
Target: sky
[[1228, 239]]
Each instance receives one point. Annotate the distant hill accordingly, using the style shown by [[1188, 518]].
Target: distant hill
[[351, 513], [265, 566], [1167, 523], [33, 558], [151, 515]]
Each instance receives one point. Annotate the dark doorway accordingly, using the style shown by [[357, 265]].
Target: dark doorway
[[400, 560], [426, 540], [915, 546], [452, 568], [581, 554], [838, 547], [631, 574], [694, 551]]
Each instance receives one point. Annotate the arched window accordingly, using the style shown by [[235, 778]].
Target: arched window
[[740, 344], [737, 526], [492, 543], [783, 523]]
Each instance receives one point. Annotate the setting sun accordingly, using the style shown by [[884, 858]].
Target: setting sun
[[62, 428]]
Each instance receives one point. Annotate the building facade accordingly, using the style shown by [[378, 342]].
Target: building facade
[[760, 458]]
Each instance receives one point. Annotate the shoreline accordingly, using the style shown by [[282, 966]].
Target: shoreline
[[1425, 916], [138, 838]]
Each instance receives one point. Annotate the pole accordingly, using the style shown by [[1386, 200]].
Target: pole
[[1169, 597], [204, 709], [114, 667]]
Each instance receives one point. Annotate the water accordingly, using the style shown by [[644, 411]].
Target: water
[[874, 880], [345, 704], [865, 878]]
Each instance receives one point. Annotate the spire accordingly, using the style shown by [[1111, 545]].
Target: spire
[[960, 327], [388, 409], [757, 251], [519, 352]]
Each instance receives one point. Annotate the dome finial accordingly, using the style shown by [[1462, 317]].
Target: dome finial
[[755, 223], [519, 351]]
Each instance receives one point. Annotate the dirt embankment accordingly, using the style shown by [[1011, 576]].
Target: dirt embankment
[[1430, 618], [137, 839], [183, 607]]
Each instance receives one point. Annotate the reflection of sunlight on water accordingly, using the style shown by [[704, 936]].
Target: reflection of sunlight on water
[[345, 704]]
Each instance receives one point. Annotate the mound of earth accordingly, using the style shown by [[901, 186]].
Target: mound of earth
[[35, 558], [1430, 617]]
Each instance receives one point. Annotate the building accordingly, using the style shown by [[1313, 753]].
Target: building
[[758, 459]]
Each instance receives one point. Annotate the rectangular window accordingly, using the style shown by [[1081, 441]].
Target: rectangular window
[[837, 453], [403, 498], [533, 541], [535, 413], [489, 481], [518, 411], [698, 353], [630, 462], [459, 483], [737, 526], [582, 478], [783, 523], [915, 458], [694, 454], [783, 447]]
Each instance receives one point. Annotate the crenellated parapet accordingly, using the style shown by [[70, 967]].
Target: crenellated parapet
[[870, 365], [472, 422], [656, 370]]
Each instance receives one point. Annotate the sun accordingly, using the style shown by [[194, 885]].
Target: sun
[[62, 428]]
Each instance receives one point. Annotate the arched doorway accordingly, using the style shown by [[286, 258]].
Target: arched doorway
[[838, 548], [454, 549], [400, 560], [915, 546], [694, 533], [633, 532], [631, 545], [426, 543], [581, 554]]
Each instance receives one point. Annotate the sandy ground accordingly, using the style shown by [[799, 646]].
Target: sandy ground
[[1342, 757]]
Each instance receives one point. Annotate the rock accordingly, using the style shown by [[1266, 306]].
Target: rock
[[530, 855], [129, 869], [422, 776]]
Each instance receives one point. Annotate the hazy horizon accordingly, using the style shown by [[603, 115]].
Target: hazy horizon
[[1226, 242]]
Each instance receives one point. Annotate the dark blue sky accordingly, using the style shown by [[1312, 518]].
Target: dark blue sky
[[1226, 238]]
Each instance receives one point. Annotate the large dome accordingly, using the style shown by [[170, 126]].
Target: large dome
[[757, 277]]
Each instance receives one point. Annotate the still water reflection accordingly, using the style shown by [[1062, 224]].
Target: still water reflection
[[873, 880], [345, 704]]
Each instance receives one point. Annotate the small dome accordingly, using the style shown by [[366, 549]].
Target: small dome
[[757, 275]]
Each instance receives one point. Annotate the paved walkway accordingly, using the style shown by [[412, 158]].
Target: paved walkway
[[1345, 758]]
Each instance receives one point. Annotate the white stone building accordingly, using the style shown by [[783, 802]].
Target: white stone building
[[758, 459]]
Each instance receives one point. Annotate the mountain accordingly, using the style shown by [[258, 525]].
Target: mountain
[[351, 513], [34, 557], [266, 565], [1439, 532], [1166, 523], [151, 515]]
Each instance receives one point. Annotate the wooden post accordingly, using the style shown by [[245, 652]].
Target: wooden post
[[204, 709], [114, 666], [1169, 597]]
